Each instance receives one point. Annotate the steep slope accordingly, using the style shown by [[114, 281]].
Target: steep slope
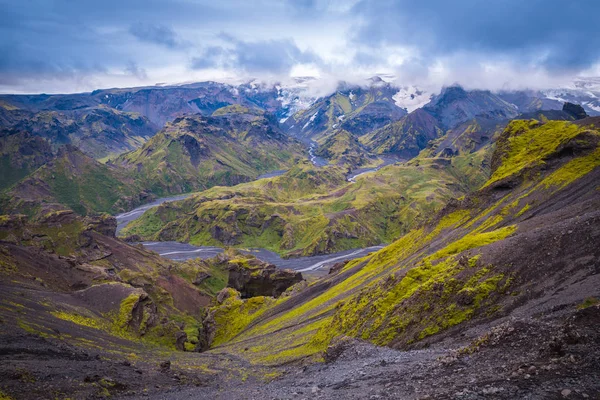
[[235, 145], [452, 108], [355, 109], [76, 299], [74, 180], [528, 101], [343, 148], [476, 133], [97, 131], [454, 105], [20, 154], [405, 137], [522, 245]]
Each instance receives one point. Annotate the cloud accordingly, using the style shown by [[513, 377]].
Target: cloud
[[133, 69], [156, 33], [77, 44], [552, 34], [268, 56]]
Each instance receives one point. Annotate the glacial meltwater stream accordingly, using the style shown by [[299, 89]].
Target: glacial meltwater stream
[[183, 251]]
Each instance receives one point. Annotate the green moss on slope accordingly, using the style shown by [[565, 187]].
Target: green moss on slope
[[193, 153], [309, 210], [528, 143], [428, 281]]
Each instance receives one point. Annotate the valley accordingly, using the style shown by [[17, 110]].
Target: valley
[[213, 240], [181, 251]]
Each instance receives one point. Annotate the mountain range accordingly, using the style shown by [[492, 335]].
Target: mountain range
[[460, 231]]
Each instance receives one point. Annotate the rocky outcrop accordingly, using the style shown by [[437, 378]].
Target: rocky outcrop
[[180, 340], [57, 218], [130, 308], [104, 224], [575, 110], [252, 277], [201, 277]]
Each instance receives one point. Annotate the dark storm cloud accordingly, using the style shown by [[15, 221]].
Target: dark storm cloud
[[270, 56], [301, 7], [156, 33], [556, 34], [67, 40], [60, 39], [133, 69]]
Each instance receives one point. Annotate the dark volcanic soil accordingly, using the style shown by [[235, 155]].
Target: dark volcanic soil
[[550, 357]]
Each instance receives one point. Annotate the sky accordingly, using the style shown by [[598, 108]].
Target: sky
[[64, 46]]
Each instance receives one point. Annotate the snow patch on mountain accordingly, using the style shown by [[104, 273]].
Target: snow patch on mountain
[[294, 97], [410, 98], [312, 118], [586, 93]]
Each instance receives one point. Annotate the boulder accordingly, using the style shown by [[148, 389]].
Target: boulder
[[132, 239], [104, 224], [226, 293], [337, 347], [337, 267], [206, 333], [575, 110], [180, 340], [252, 277]]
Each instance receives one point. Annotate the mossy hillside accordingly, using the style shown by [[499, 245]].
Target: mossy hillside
[[309, 210], [21, 154], [342, 148], [195, 153], [426, 299], [406, 137], [76, 181], [378, 271], [371, 269], [73, 255], [572, 171], [430, 280], [151, 316], [527, 144], [63, 238], [235, 314], [119, 323], [301, 180], [378, 275], [97, 131]]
